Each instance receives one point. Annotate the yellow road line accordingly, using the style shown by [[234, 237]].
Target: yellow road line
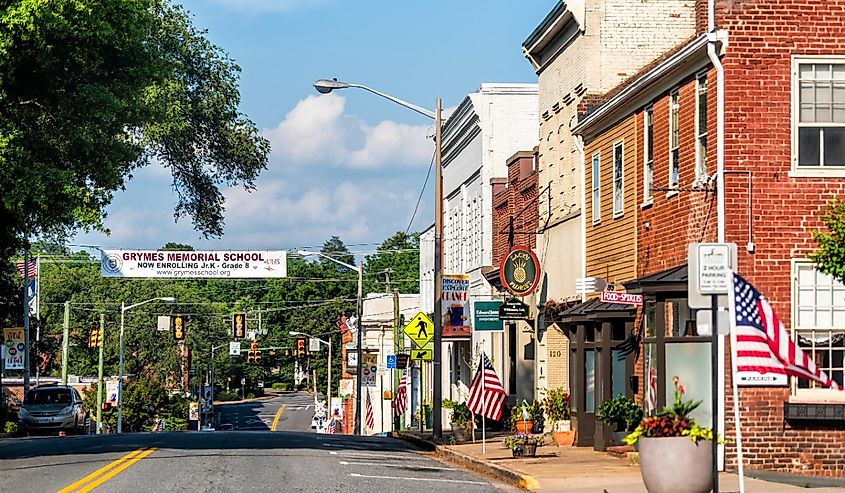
[[102, 479], [276, 419], [100, 471]]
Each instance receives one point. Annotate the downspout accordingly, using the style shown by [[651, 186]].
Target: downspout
[[712, 37], [576, 140]]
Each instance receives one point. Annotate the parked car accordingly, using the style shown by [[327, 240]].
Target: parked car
[[53, 408]]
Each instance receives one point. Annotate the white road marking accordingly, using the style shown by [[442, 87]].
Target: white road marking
[[356, 475], [373, 456], [380, 464]]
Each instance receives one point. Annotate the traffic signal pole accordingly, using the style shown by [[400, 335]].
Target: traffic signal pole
[[65, 341], [100, 374]]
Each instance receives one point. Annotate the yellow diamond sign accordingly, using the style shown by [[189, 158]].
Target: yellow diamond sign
[[420, 329]]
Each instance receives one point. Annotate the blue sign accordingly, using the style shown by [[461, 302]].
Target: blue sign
[[391, 361]]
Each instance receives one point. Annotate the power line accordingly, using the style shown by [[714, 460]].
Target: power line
[[422, 191]]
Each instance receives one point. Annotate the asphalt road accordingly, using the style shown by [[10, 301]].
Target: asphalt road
[[220, 461], [260, 415]]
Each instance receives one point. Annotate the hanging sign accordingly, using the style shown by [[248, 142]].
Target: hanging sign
[[513, 309], [194, 264], [520, 271], [485, 316], [620, 297]]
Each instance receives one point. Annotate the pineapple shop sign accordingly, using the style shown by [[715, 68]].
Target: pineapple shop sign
[[520, 271]]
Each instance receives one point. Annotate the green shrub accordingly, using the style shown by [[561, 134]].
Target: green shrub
[[461, 414], [620, 411], [280, 386], [250, 396], [448, 404], [227, 395], [11, 427]]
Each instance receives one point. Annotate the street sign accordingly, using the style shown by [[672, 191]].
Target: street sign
[[313, 345], [422, 354], [709, 270], [420, 329], [163, 323], [620, 297], [234, 348], [250, 334], [402, 360], [243, 381], [485, 316], [513, 309], [391, 361]]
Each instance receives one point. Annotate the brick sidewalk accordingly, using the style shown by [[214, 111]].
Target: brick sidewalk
[[582, 470]]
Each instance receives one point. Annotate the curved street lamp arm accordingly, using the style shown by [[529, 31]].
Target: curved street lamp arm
[[398, 101]]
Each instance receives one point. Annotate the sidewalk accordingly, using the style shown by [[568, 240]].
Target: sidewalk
[[580, 470]]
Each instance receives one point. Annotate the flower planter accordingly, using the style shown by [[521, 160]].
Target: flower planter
[[564, 438], [661, 460], [525, 450], [525, 426], [462, 431]]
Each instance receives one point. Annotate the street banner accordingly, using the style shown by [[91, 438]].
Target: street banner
[[370, 370], [194, 264], [455, 306], [194, 411], [111, 392], [13, 340]]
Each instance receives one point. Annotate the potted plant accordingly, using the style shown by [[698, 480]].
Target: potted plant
[[524, 444], [446, 407], [671, 441], [559, 411], [461, 422], [621, 413], [521, 419]]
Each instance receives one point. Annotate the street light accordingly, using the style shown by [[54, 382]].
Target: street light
[[325, 86], [359, 315], [123, 310], [329, 366]]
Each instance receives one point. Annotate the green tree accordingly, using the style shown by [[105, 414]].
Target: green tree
[[92, 91], [830, 256], [398, 255]]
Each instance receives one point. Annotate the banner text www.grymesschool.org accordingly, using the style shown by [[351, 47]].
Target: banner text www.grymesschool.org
[[194, 273]]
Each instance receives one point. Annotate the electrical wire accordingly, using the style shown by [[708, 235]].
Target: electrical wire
[[422, 191]]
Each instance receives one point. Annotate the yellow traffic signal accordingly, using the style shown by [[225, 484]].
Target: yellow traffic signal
[[178, 328], [95, 338], [239, 325]]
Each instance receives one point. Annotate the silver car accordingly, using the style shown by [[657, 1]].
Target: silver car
[[54, 408]]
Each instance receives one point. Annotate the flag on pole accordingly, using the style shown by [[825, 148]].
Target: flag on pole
[[763, 344], [332, 428], [400, 403], [371, 422], [486, 394], [33, 268]]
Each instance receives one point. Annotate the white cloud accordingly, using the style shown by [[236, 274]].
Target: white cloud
[[318, 131]]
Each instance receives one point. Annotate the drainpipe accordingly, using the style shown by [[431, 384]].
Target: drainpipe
[[576, 139], [712, 37]]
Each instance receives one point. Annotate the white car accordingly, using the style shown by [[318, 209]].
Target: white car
[[53, 408]]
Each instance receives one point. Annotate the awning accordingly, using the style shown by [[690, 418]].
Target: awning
[[491, 274], [596, 309], [670, 280]]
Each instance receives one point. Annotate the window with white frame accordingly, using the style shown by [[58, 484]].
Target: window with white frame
[[475, 252], [674, 138], [596, 188], [819, 92], [701, 126], [818, 321], [618, 181], [648, 154]]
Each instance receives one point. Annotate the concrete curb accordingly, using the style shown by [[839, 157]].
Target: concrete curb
[[524, 481]]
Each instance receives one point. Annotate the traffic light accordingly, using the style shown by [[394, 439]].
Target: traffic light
[[95, 338], [178, 328], [256, 357], [300, 348], [239, 325], [250, 356]]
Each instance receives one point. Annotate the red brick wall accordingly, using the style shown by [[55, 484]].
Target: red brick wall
[[518, 199], [764, 34]]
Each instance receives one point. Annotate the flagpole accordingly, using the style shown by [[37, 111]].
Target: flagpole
[[483, 407], [739, 460], [37, 295]]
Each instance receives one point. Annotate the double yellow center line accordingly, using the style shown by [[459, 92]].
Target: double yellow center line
[[276, 418], [107, 472]]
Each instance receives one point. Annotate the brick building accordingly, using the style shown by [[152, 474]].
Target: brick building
[[784, 158]]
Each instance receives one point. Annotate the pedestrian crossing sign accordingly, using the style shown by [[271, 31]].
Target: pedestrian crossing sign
[[420, 329]]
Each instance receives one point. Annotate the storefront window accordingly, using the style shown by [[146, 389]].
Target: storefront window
[[618, 377], [590, 377], [680, 320], [650, 384], [648, 318], [691, 363]]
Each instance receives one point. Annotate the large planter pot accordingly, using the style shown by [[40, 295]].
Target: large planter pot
[[462, 431], [525, 426], [676, 465], [525, 450], [564, 438]]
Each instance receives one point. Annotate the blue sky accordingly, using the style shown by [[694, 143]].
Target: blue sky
[[350, 163]]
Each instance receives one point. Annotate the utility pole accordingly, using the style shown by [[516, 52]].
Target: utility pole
[[26, 321], [437, 384], [100, 373], [65, 342]]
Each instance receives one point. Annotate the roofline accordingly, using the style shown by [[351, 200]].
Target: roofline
[[690, 58], [547, 22]]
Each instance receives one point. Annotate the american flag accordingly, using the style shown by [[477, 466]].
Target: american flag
[[400, 403], [763, 344], [371, 421], [651, 394], [486, 394], [332, 428], [33, 268]]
